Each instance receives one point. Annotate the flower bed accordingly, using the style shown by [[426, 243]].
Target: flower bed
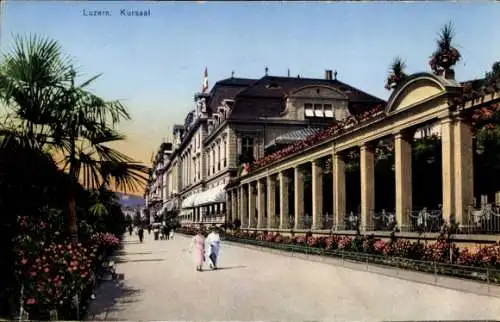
[[335, 129], [440, 257], [52, 270]]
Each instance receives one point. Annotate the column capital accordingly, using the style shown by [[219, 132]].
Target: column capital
[[405, 134], [445, 117], [318, 162], [338, 154], [367, 146], [271, 178]]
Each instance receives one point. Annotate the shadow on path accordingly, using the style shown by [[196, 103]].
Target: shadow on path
[[110, 295], [223, 268], [123, 252], [121, 261]]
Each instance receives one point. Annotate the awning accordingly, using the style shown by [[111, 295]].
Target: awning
[[291, 137], [169, 206], [172, 204], [207, 197], [211, 196], [188, 202]]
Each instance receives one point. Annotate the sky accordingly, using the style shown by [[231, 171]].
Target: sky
[[155, 64]]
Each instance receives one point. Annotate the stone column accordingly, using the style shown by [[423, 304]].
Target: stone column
[[403, 173], [284, 211], [234, 205], [367, 169], [339, 196], [243, 207], [261, 204], [271, 202], [464, 170], [251, 205], [447, 168], [229, 207], [317, 195], [299, 197]]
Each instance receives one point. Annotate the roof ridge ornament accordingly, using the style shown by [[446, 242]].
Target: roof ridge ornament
[[335, 75]]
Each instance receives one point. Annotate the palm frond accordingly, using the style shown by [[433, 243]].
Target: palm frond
[[89, 81], [397, 66], [446, 35]]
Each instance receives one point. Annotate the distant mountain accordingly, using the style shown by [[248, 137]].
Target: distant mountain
[[127, 200]]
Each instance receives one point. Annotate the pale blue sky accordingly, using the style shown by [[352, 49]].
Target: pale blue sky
[[155, 64]]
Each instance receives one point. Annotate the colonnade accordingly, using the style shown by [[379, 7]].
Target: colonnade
[[247, 201]]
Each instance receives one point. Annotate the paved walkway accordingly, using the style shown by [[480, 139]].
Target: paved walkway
[[161, 283]]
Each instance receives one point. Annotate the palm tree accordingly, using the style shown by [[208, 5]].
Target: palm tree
[[47, 111], [396, 73]]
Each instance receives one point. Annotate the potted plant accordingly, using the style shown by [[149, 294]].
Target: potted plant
[[396, 74], [445, 55]]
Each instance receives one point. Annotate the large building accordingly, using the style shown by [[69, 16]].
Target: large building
[[272, 195], [238, 121]]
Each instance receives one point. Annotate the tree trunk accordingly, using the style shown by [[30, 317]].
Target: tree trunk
[[72, 220]]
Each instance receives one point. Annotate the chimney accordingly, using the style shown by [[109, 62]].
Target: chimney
[[328, 74]]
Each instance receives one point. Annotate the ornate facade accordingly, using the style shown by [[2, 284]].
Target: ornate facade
[[242, 120]]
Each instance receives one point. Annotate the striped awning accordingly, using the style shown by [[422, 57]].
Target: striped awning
[[292, 137]]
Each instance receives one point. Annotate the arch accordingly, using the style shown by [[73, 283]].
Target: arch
[[338, 92], [418, 88]]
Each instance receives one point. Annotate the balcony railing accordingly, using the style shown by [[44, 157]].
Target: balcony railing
[[482, 220]]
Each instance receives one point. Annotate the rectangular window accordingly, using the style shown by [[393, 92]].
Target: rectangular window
[[213, 161], [328, 110], [247, 146], [318, 110], [219, 157], [309, 111]]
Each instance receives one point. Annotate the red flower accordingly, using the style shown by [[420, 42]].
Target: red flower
[[24, 261], [30, 301]]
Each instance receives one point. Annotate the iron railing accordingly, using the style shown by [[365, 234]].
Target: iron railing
[[481, 274], [426, 220], [482, 220], [383, 220]]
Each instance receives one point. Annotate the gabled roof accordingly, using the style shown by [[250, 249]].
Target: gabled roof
[[265, 97]]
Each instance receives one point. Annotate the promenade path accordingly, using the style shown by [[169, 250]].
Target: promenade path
[[160, 283]]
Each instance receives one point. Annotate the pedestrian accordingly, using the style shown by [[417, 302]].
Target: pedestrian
[[149, 229], [156, 232], [130, 229], [213, 241], [141, 234], [197, 248], [166, 232], [172, 233]]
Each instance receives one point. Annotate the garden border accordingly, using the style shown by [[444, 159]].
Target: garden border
[[453, 282]]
